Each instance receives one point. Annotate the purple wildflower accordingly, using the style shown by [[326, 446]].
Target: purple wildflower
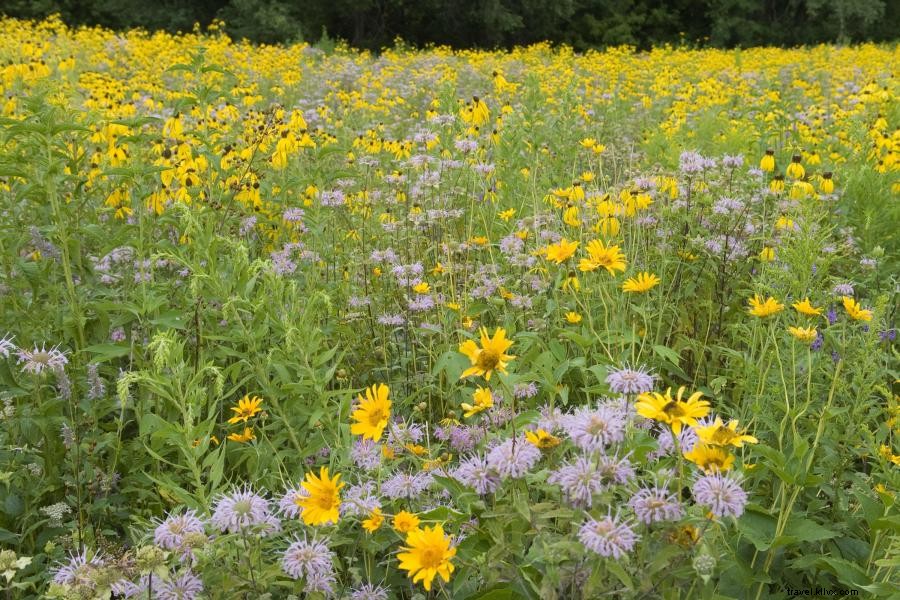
[[475, 473], [655, 504], [513, 458], [579, 481], [241, 509], [629, 380], [38, 360], [170, 533], [403, 485], [595, 428], [6, 345], [608, 537], [78, 570], [186, 587], [369, 591], [721, 493], [309, 559], [366, 454]]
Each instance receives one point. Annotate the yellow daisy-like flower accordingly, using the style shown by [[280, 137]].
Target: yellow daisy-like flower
[[676, 412], [560, 252], [805, 307], [427, 553], [247, 407], [600, 255], [323, 501], [643, 282], [375, 520], [506, 215], [764, 308], [490, 357], [373, 412], [542, 439], [856, 312], [244, 437], [767, 254], [720, 434], [804, 334], [405, 521], [710, 458], [422, 288], [483, 399], [573, 317]]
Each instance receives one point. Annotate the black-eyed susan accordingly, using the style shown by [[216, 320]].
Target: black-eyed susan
[[609, 257], [372, 413], [246, 408], [642, 282], [710, 458], [374, 522], [807, 335], [322, 503], [805, 307], [719, 433], [675, 412], [542, 439], [561, 251], [764, 308], [490, 357], [855, 311], [483, 399], [428, 553], [405, 521]]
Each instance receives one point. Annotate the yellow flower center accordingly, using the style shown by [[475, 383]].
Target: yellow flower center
[[673, 409], [431, 558], [723, 436], [326, 502], [376, 416], [487, 359]]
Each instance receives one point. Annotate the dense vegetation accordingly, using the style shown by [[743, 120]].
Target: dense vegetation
[[582, 24], [294, 321]]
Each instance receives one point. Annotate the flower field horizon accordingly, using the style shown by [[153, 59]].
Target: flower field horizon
[[299, 321]]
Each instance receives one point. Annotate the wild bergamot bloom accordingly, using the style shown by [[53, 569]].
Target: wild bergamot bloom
[[321, 504], [856, 312], [601, 255], [676, 412], [490, 357], [805, 307], [718, 433], [561, 251], [405, 521], [710, 458], [804, 334], [372, 413], [642, 282], [483, 399], [764, 308], [247, 407], [427, 553], [542, 439]]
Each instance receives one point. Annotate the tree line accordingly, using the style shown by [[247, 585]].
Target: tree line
[[374, 24]]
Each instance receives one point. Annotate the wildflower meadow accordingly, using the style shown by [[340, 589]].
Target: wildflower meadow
[[303, 321]]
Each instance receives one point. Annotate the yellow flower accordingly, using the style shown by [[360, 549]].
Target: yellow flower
[[416, 449], [767, 163], [856, 312], [483, 399], [643, 282], [601, 255], [573, 317], [437, 270], [826, 185], [776, 186], [323, 501], [422, 288], [804, 307], [710, 458], [405, 521], [427, 553], [804, 334], [506, 215], [542, 439], [767, 254], [561, 252], [244, 437], [372, 413], [720, 434], [490, 357], [887, 454], [764, 308], [247, 407], [677, 412], [795, 170], [376, 518]]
